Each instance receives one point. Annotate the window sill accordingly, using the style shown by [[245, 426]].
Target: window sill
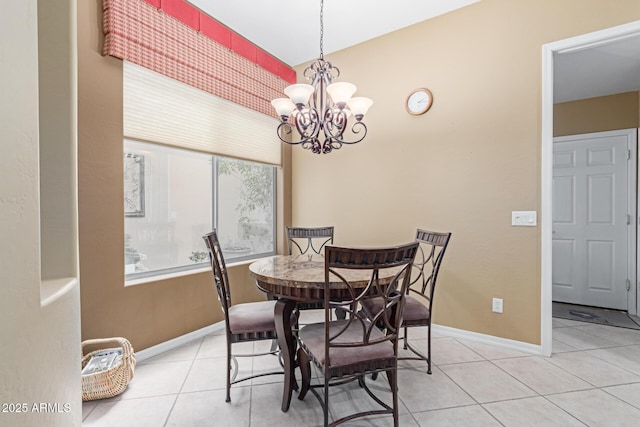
[[201, 270]]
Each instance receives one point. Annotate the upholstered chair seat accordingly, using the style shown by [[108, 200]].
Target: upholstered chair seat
[[415, 312], [252, 317], [348, 358]]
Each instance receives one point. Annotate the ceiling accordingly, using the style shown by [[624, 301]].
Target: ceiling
[[295, 38], [596, 71]]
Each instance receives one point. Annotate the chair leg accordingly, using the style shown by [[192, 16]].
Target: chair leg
[[326, 400], [228, 399], [392, 376], [361, 380], [429, 349], [296, 322], [305, 370], [405, 345]]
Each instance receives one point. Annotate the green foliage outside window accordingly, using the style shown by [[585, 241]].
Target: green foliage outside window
[[257, 180]]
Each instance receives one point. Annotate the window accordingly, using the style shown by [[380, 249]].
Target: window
[[245, 207], [207, 163], [173, 196]]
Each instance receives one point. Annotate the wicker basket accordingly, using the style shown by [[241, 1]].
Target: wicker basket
[[114, 380]]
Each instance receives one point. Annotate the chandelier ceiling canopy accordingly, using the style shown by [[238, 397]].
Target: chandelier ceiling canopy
[[321, 111]]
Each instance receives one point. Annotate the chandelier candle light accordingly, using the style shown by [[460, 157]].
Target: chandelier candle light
[[321, 105]]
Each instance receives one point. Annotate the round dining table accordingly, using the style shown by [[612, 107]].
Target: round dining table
[[293, 279]]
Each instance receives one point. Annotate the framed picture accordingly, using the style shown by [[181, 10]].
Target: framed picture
[[133, 184]]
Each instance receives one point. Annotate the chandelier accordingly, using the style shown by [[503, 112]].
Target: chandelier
[[321, 110]]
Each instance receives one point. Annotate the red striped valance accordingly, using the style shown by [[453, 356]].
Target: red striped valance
[[140, 33]]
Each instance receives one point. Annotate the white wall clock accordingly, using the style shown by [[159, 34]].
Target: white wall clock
[[419, 101]]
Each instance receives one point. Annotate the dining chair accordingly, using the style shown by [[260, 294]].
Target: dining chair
[[419, 305], [308, 241], [245, 322], [347, 349], [303, 240]]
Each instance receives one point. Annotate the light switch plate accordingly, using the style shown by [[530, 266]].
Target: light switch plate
[[524, 218]]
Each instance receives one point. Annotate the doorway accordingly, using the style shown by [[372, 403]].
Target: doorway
[[549, 53]]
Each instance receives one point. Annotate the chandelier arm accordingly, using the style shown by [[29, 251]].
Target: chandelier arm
[[357, 128], [286, 129], [307, 125]]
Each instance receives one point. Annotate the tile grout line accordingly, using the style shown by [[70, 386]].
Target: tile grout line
[[599, 360], [95, 405], [616, 397], [593, 386], [465, 391], [183, 383]]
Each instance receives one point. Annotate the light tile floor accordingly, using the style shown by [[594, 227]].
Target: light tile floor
[[592, 379]]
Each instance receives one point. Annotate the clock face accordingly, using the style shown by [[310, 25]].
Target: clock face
[[419, 101]]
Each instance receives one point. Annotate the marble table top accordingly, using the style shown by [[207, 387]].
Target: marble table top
[[302, 276]]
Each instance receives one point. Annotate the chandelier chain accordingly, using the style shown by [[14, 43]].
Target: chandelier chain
[[321, 27]]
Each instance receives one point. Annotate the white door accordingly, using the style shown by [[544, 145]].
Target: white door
[[591, 219]]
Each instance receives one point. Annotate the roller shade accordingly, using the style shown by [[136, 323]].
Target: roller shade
[[163, 110]]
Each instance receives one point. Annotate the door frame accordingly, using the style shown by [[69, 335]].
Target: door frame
[[572, 44], [632, 202]]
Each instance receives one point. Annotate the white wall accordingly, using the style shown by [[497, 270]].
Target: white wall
[[39, 320]]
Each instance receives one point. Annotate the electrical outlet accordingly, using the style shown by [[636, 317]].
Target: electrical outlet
[[497, 305]]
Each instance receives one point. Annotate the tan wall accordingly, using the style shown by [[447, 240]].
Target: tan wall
[[145, 314], [464, 165], [621, 111]]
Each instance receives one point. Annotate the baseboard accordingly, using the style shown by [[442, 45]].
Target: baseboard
[[488, 339], [155, 350], [524, 347]]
